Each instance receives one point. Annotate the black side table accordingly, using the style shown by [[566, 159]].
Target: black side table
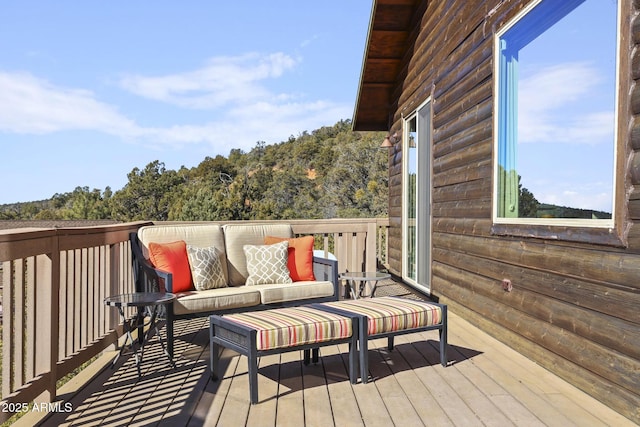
[[150, 301], [356, 282]]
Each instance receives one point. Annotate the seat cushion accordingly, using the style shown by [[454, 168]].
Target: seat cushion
[[292, 326], [277, 293], [215, 299], [390, 314]]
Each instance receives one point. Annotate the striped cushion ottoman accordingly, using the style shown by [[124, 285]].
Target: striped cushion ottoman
[[391, 316], [279, 330]]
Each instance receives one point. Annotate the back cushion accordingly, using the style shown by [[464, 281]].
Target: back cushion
[[238, 235], [199, 235], [172, 257], [300, 256]]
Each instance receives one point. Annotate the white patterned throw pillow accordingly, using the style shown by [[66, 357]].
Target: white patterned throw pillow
[[267, 263], [206, 268]]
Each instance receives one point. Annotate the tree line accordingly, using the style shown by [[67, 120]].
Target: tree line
[[331, 172]]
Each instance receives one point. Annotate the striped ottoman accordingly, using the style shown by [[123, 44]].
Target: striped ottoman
[[279, 330], [391, 316]]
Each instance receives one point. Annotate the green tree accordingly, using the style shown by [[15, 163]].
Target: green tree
[[199, 205], [287, 194], [357, 184], [86, 204], [148, 195], [9, 214], [527, 203], [48, 215], [232, 202]]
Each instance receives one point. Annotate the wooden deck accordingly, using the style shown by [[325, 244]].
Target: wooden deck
[[486, 383]]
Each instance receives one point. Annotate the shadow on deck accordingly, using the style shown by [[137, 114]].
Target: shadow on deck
[[486, 383]]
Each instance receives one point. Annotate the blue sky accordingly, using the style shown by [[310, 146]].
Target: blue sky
[[90, 90]]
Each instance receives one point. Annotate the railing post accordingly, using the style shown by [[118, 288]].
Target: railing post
[[371, 261], [7, 327], [47, 300], [113, 282]]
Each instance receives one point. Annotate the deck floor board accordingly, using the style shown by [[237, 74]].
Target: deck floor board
[[485, 383]]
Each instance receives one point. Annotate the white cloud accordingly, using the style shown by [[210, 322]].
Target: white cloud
[[250, 113], [221, 81], [34, 106], [243, 126], [551, 107]]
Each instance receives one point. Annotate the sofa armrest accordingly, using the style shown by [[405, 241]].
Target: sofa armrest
[[327, 270], [147, 278]]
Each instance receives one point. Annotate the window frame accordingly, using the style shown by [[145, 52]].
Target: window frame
[[600, 231]]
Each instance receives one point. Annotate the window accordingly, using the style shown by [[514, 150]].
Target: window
[[555, 121]]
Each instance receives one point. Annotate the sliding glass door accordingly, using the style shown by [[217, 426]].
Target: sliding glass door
[[416, 237]]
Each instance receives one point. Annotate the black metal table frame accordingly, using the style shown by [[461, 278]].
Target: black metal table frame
[[353, 291], [150, 306], [242, 339]]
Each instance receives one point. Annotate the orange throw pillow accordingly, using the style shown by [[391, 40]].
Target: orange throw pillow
[[300, 257], [172, 258]]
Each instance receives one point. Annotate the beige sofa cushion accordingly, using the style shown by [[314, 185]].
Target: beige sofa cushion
[[238, 235], [295, 291], [200, 235], [216, 299]]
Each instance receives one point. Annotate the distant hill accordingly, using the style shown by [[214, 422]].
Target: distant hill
[[13, 224], [331, 172], [546, 210], [17, 207]]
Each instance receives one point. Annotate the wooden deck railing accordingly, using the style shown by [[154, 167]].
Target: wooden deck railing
[[54, 282], [359, 244]]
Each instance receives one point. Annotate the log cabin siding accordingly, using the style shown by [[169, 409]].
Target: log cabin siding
[[575, 298]]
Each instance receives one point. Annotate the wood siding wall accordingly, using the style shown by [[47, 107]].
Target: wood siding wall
[[575, 306]]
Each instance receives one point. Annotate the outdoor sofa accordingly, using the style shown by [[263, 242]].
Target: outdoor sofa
[[217, 256]]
